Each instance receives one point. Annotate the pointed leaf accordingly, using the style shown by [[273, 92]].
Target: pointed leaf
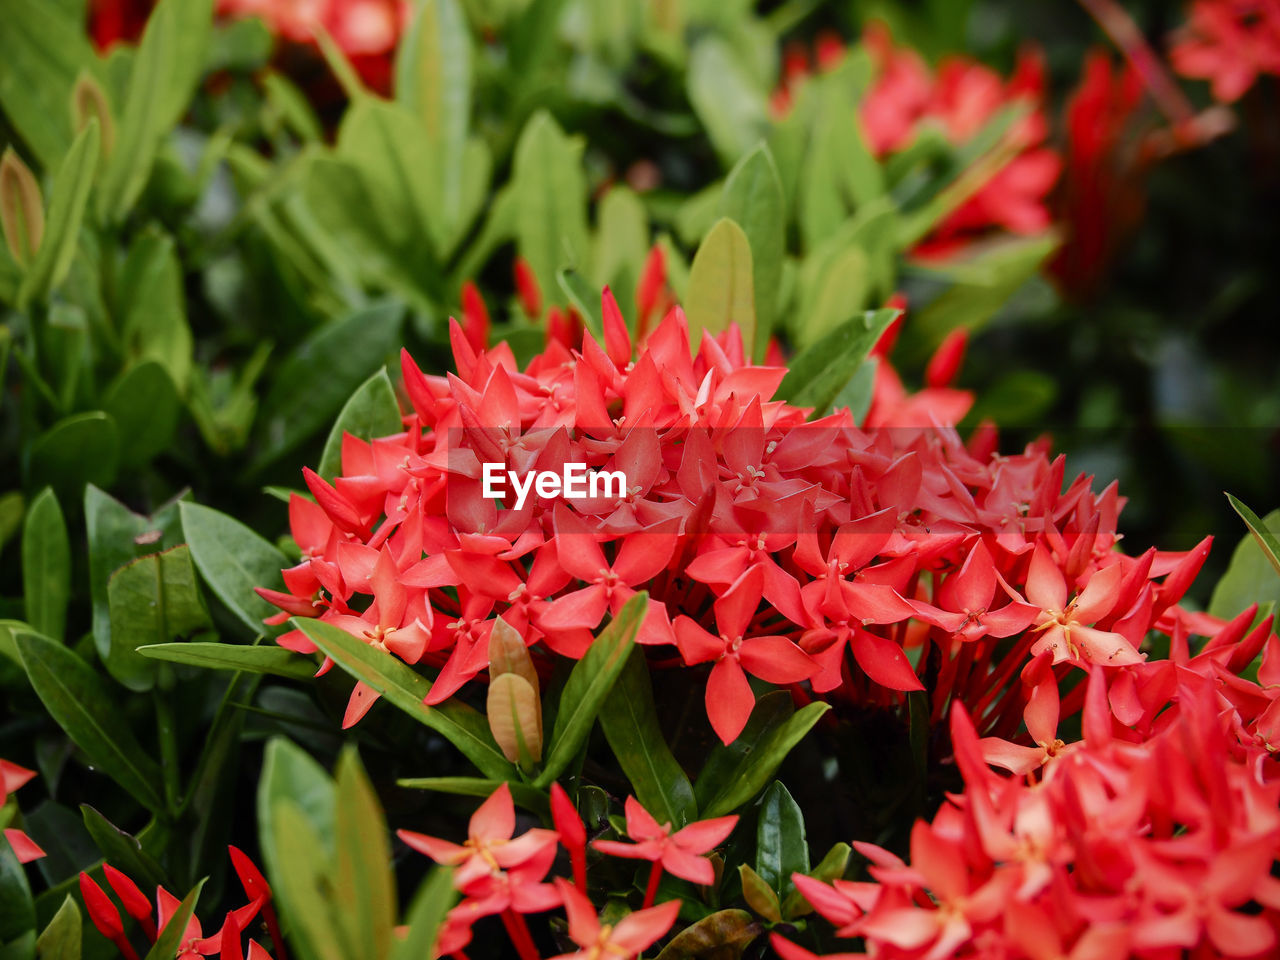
[[819, 372], [46, 566], [372, 411], [77, 450], [363, 882], [530, 798], [233, 560], [721, 290], [61, 938], [550, 200], [781, 847], [276, 661], [1262, 534], [752, 198], [123, 850], [432, 902]]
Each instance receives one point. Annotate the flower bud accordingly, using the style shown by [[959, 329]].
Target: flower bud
[[21, 209], [88, 100], [514, 706]]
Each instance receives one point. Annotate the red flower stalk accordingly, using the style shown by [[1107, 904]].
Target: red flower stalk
[[572, 832], [680, 853]]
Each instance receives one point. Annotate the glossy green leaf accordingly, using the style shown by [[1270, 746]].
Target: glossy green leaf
[[117, 535], [752, 199], [523, 795], [1262, 533], [174, 932], [1250, 576], [726, 99], [831, 867], [462, 726], [46, 566], [67, 199], [60, 940], [820, 372], [550, 201], [152, 600], [721, 289], [123, 850], [432, 902], [735, 773], [362, 879], [89, 713], [19, 913], [153, 307], [314, 381], [433, 81], [372, 411], [43, 51], [76, 450], [588, 686], [168, 62], [146, 408], [232, 560], [273, 660], [781, 846], [630, 722]]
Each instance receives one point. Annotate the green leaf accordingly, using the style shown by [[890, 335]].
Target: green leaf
[[530, 798], [76, 450], [433, 81], [154, 312], [833, 289], [630, 723], [362, 881], [734, 774], [174, 931], [726, 99], [1262, 534], [116, 536], [372, 411], [233, 560], [289, 772], [152, 600], [622, 242], [305, 883], [228, 656], [46, 566], [432, 902], [1250, 577], [1019, 398], [462, 726], [819, 372], [752, 199], [721, 290], [61, 938], [584, 297], [832, 867], [550, 200], [122, 850], [164, 72], [759, 895], [146, 408], [62, 224], [19, 913], [12, 510], [781, 847], [89, 713], [319, 375], [43, 51], [725, 933], [589, 684]]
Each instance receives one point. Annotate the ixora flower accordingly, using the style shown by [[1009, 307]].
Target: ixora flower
[[835, 560], [631, 935], [1229, 43]]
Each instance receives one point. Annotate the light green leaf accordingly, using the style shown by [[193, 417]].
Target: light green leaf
[[721, 290], [630, 723], [152, 600], [153, 309], [89, 713], [819, 372], [230, 656], [174, 932], [550, 197], [584, 297], [61, 938], [622, 242], [67, 201], [589, 684], [781, 847], [305, 882], [523, 795], [169, 60], [289, 772], [1262, 533], [833, 289], [752, 199], [362, 881], [462, 726], [1250, 576], [831, 867], [735, 773], [233, 560], [759, 895], [372, 411], [432, 902], [726, 99], [318, 376], [46, 566]]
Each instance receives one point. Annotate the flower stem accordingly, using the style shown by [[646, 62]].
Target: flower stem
[[579, 858], [518, 931], [125, 947], [273, 928], [655, 877]]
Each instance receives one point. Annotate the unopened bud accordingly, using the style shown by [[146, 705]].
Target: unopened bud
[[21, 209], [509, 654], [89, 101], [515, 718]]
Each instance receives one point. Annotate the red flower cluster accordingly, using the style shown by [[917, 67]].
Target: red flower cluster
[[960, 98], [1229, 43], [499, 875], [226, 944], [1155, 836]]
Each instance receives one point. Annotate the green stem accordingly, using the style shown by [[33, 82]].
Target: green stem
[[166, 730]]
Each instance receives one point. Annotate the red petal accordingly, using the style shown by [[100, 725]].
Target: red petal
[[729, 700], [884, 662]]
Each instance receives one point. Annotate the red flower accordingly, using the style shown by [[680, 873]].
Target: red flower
[[627, 938], [1229, 43]]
